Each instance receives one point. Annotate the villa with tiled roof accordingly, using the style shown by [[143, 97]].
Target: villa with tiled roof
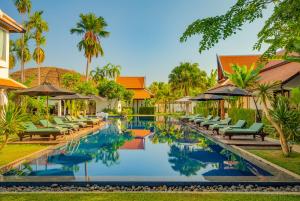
[[138, 87], [284, 72]]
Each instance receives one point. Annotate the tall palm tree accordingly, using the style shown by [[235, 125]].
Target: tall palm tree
[[38, 25], [22, 50], [12, 54], [23, 7], [92, 28], [115, 71]]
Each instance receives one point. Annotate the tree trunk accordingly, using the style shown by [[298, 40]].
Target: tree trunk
[[39, 67], [87, 69], [282, 138], [22, 56], [4, 142]]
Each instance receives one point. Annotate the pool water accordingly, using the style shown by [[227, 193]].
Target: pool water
[[141, 148]]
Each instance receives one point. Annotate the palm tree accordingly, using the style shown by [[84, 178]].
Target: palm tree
[[265, 93], [187, 76], [22, 50], [92, 28], [115, 71], [23, 7], [12, 54], [39, 25]]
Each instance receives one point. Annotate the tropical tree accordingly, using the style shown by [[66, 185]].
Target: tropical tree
[[38, 25], [244, 77], [280, 30], [23, 7], [23, 54], [92, 28], [211, 79], [70, 80], [11, 122], [295, 97], [187, 76], [12, 54], [109, 72], [265, 93]]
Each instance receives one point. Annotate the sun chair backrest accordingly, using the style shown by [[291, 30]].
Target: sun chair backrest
[[46, 123], [217, 118], [69, 118], [29, 125], [226, 120], [58, 120], [240, 123], [256, 127], [209, 117]]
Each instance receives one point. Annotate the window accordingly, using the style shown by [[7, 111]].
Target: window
[[3, 45]]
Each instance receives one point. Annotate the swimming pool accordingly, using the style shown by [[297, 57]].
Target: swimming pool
[[143, 149]]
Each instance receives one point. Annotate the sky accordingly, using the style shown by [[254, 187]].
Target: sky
[[144, 34]]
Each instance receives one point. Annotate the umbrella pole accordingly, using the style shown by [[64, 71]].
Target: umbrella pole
[[257, 112], [47, 111]]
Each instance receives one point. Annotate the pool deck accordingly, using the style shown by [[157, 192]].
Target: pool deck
[[60, 139], [243, 141]]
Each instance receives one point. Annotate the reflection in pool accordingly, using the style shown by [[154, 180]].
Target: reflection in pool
[[141, 147]]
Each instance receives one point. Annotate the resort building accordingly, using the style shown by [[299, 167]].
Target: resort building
[[284, 72], [138, 86], [7, 26]]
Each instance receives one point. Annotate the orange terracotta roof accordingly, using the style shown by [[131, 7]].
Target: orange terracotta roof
[[226, 61], [281, 72], [141, 94], [10, 24], [8, 83], [132, 82], [140, 132], [137, 143]]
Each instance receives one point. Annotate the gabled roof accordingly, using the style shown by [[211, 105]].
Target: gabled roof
[[10, 24], [141, 94], [226, 61], [131, 82]]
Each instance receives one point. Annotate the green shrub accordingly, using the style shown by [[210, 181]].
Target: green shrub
[[206, 108], [244, 114], [110, 111], [146, 110], [126, 111]]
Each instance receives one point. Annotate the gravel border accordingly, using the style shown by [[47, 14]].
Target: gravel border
[[163, 188]]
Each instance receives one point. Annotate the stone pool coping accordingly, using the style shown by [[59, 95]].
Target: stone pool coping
[[48, 149], [262, 163]]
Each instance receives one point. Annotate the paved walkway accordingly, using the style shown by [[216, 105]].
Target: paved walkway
[[248, 141]]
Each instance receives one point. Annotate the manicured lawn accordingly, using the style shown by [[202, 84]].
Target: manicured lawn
[[12, 152], [291, 163], [145, 197]]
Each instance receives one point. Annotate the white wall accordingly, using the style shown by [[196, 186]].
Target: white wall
[[4, 64]]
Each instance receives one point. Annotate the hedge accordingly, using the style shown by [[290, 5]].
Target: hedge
[[244, 114], [146, 110]]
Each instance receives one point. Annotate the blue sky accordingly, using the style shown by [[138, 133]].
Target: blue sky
[[144, 36]]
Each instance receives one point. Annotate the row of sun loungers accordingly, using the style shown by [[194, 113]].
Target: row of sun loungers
[[224, 127], [59, 127]]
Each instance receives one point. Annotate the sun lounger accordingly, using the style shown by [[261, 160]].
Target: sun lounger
[[216, 127], [254, 129], [94, 120], [208, 118], [60, 122], [31, 129], [48, 124], [71, 120], [206, 124]]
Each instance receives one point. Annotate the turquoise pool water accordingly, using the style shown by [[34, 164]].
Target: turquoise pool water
[[142, 148]]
